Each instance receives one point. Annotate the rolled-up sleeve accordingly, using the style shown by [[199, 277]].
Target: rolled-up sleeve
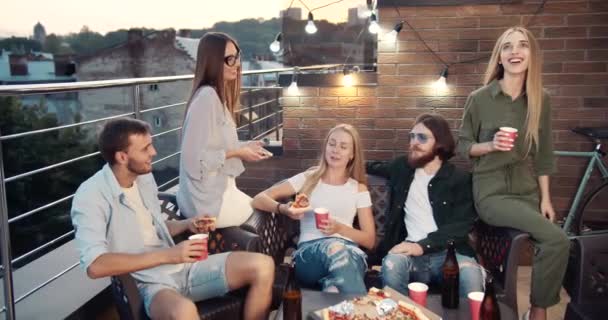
[[544, 161], [201, 153], [467, 134], [90, 223]]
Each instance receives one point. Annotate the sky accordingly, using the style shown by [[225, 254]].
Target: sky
[[18, 17]]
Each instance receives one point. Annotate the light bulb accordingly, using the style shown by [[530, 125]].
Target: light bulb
[[275, 46], [373, 24], [293, 89], [348, 80], [373, 27], [440, 85], [310, 26], [392, 36]]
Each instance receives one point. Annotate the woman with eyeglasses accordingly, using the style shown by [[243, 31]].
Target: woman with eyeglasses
[[328, 252], [212, 157], [507, 193]]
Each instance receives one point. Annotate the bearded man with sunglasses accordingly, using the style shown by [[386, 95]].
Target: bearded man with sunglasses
[[431, 203]]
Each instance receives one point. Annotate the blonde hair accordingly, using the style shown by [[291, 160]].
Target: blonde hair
[[533, 83], [210, 71], [355, 166]]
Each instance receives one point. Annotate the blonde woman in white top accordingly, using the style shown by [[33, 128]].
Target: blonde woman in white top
[[330, 256], [212, 156]]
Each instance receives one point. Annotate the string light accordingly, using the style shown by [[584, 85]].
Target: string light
[[392, 36], [275, 46], [310, 26], [373, 24], [365, 11]]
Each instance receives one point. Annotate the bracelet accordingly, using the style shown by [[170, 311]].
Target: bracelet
[[278, 208]]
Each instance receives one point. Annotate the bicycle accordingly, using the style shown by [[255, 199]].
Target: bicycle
[[595, 202]]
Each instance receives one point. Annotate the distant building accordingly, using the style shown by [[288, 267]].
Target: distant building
[[152, 55], [292, 13], [41, 67], [39, 33], [34, 67], [156, 54], [356, 16]]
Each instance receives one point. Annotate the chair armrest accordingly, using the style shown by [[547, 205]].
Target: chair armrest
[[499, 249], [233, 239], [275, 231]]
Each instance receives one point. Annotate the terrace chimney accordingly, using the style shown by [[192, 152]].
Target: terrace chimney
[[185, 33], [135, 35]]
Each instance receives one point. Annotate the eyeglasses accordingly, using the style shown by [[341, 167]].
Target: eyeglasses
[[232, 59], [421, 137]]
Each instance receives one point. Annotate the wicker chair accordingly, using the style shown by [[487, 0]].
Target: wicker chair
[[247, 237]]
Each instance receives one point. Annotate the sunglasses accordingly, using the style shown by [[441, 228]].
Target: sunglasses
[[421, 137], [232, 59]]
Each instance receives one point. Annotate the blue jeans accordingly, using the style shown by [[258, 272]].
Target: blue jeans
[[331, 262], [399, 269]]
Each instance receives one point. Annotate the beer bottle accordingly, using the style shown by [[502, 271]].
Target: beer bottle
[[292, 297], [489, 305], [451, 275]]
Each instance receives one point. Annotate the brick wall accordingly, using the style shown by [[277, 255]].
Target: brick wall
[[574, 39]]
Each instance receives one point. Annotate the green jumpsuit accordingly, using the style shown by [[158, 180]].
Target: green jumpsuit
[[505, 186]]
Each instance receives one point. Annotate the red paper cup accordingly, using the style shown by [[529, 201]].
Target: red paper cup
[[201, 236], [511, 132], [418, 292], [475, 299], [321, 216]]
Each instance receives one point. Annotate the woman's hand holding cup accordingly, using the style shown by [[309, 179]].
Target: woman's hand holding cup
[[504, 139]]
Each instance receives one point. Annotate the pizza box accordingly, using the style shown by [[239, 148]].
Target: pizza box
[[370, 310]]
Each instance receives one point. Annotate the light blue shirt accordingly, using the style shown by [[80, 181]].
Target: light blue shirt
[[104, 222]]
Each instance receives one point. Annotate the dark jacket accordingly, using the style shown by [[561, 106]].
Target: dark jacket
[[451, 199]]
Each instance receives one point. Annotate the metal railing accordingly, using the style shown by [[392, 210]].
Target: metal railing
[[20, 90]]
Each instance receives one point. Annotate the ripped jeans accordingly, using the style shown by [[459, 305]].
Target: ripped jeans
[[331, 262], [399, 269]]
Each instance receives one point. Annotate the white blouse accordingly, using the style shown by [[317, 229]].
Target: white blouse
[[342, 202], [208, 133]]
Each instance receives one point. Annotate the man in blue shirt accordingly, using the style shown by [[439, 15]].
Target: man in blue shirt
[[119, 229]]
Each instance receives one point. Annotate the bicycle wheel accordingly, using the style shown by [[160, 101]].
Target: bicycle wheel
[[593, 213]]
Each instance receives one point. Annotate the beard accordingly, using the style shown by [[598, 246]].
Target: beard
[[421, 161], [138, 168]]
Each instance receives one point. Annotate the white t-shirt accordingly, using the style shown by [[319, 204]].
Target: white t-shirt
[[146, 225], [342, 202], [419, 220]]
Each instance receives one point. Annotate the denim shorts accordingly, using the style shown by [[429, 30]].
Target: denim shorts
[[197, 281]]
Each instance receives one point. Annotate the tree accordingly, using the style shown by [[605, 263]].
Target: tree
[[29, 153], [52, 43], [20, 45]]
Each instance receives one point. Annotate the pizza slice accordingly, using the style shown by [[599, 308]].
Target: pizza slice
[[301, 201]]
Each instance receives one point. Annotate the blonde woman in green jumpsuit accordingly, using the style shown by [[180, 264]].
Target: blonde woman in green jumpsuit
[[508, 191]]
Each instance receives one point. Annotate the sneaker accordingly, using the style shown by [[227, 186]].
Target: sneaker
[[526, 315]]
